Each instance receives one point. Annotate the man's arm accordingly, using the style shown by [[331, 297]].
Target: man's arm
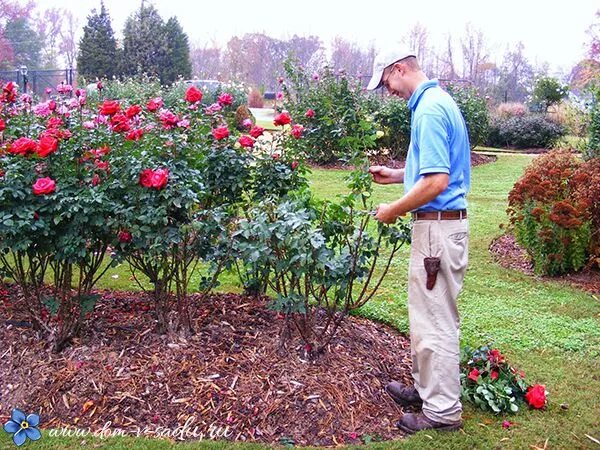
[[385, 175], [425, 190]]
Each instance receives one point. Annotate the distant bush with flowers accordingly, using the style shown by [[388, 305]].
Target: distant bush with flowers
[[551, 208], [488, 381], [332, 110]]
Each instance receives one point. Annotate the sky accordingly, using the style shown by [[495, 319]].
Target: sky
[[552, 31]]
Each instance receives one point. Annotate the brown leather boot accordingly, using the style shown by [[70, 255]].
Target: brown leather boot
[[411, 423], [403, 394]]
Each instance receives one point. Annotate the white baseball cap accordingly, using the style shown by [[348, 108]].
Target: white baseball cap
[[384, 59]]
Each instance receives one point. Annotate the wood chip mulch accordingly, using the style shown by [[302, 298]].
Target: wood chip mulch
[[228, 376], [506, 251]]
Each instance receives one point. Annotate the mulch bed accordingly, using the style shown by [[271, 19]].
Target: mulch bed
[[508, 253], [477, 159], [229, 374]]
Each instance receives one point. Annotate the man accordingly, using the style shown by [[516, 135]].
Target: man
[[436, 178]]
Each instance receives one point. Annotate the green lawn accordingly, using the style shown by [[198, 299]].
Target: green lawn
[[549, 330]]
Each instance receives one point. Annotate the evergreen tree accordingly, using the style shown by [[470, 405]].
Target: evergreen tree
[[98, 56], [145, 49], [178, 54]]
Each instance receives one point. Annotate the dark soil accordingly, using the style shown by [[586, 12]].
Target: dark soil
[[229, 374], [507, 252]]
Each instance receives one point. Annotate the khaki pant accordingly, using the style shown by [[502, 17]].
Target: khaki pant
[[433, 315]]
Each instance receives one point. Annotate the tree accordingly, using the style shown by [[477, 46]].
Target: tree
[[145, 46], [67, 44], [516, 76], [10, 10], [25, 42], [178, 53], [49, 25], [474, 53], [594, 33], [548, 91], [97, 56], [206, 62]]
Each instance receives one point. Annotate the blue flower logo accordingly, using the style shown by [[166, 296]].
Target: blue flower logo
[[23, 427]]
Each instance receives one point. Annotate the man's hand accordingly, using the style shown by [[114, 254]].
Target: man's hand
[[385, 213], [385, 175]]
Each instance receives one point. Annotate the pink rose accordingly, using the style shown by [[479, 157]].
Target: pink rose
[[44, 186], [309, 113], [297, 131], [154, 104]]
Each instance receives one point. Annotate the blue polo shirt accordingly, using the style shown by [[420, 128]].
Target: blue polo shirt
[[439, 143]]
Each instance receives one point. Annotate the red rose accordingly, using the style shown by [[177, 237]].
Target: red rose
[[48, 144], [474, 374], [297, 130], [495, 356], [494, 374], [119, 123], [96, 180], [154, 178], [102, 165], [154, 104], [133, 111], [146, 178], [536, 396], [193, 94], [134, 135], [110, 107], [52, 105], [125, 236], [54, 122], [2, 172], [44, 186], [99, 85], [256, 131], [2, 125], [23, 146], [220, 132], [276, 156], [225, 99], [282, 119], [246, 141], [159, 178], [309, 113], [294, 165]]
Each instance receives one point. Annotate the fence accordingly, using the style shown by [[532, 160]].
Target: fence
[[37, 81]]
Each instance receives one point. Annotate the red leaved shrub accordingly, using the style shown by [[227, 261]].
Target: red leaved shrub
[[551, 209]]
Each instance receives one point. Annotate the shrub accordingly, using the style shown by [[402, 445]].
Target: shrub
[[474, 110], [321, 258], [332, 110], [593, 147], [528, 131], [511, 109], [159, 182], [393, 117], [587, 192], [255, 99], [550, 220]]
